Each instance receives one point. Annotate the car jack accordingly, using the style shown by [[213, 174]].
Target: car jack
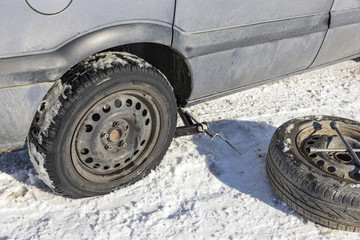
[[193, 126]]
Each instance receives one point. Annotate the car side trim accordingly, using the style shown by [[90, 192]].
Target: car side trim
[[345, 17], [204, 43], [51, 66]]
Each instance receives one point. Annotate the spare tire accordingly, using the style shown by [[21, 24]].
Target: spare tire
[[322, 186]]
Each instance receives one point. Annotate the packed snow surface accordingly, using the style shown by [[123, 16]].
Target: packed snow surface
[[202, 189]]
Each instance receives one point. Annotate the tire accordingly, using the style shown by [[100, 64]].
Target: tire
[[106, 124], [324, 187]]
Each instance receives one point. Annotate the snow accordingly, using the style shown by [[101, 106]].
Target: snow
[[289, 128], [40, 165], [52, 104], [287, 145], [202, 189], [108, 59], [139, 61]]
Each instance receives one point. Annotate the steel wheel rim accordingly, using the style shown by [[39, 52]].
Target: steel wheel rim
[[321, 135], [115, 136]]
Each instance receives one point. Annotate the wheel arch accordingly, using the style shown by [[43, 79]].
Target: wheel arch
[[170, 62], [143, 39]]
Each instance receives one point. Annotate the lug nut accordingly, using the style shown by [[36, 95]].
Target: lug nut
[[108, 147], [104, 135], [116, 124], [126, 127], [122, 144]]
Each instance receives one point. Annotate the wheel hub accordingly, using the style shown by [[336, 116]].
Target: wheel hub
[[114, 133]]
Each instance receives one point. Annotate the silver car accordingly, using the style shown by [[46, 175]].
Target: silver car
[[96, 86]]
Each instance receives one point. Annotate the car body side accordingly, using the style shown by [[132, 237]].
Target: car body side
[[226, 46]]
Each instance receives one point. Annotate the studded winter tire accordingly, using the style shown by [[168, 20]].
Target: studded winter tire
[[322, 186], [106, 124]]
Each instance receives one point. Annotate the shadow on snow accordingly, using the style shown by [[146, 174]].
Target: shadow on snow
[[246, 172], [18, 165]]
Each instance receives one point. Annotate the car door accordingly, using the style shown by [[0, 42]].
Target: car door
[[343, 37], [237, 43]]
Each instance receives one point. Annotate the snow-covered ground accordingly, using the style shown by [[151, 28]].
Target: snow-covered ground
[[202, 189]]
